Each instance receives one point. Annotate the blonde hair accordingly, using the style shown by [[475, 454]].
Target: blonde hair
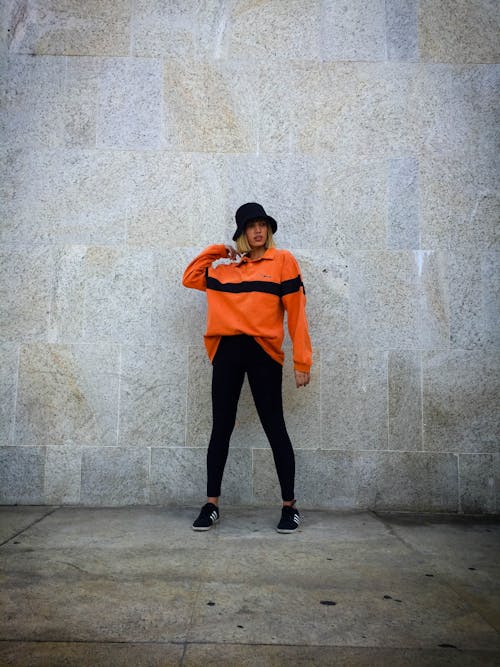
[[242, 244]]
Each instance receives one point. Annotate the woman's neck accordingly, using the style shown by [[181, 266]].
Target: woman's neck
[[257, 253]]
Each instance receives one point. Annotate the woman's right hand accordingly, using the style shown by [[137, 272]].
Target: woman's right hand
[[302, 379], [232, 253]]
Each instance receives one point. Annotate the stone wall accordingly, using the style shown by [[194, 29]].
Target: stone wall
[[132, 129]]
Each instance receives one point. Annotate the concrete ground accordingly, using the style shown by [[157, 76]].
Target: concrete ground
[[136, 586]]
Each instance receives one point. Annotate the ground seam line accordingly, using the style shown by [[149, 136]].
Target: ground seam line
[[30, 525]]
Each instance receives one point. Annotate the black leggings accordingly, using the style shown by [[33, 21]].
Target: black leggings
[[237, 355]]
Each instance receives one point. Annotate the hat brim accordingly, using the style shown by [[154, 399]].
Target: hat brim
[[272, 222]]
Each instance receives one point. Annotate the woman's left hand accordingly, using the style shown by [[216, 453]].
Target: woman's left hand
[[301, 379]]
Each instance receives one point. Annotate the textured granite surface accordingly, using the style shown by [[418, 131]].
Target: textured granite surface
[[131, 132]]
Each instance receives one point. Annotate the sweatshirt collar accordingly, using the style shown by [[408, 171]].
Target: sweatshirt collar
[[269, 254]]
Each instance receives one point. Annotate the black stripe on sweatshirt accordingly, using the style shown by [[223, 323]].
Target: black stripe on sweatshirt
[[292, 285], [278, 289]]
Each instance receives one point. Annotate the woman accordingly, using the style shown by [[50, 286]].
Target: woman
[[248, 289]]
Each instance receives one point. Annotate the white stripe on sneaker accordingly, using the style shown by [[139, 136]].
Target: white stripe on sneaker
[[213, 516]]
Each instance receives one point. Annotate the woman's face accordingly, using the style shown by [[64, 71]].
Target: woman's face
[[256, 233]]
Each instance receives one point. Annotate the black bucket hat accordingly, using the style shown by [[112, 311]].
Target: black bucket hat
[[247, 213]]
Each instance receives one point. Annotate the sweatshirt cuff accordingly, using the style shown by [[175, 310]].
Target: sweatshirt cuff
[[217, 248], [303, 368]]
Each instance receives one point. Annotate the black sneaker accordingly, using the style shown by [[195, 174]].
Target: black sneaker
[[208, 517], [290, 520]]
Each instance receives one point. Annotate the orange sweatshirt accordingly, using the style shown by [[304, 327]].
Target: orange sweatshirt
[[250, 298]]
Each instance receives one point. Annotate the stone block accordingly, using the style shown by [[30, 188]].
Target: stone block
[[302, 406], [199, 402], [81, 90], [466, 330], [402, 29], [63, 472], [130, 104], [356, 108], [36, 202], [70, 27], [460, 401], [67, 313], [405, 400], [434, 306], [21, 475], [474, 299], [403, 220], [29, 182], [93, 192], [353, 31], [160, 31], [477, 483], [32, 102], [13, 208], [350, 204], [406, 481], [162, 205], [490, 297], [326, 281], [496, 463], [458, 203], [459, 31], [384, 300], [475, 98], [281, 100], [354, 399], [210, 106], [9, 362], [284, 184], [312, 117], [26, 278], [185, 30], [274, 30], [102, 293], [178, 315], [152, 391], [430, 116], [67, 395], [114, 476], [399, 299], [319, 203], [58, 197], [178, 475], [119, 294], [213, 217], [453, 114], [4, 34]]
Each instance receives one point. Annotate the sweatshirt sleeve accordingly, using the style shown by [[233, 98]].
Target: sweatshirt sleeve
[[194, 275], [294, 302]]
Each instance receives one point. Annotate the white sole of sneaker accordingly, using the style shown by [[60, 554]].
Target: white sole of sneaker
[[285, 531], [202, 529]]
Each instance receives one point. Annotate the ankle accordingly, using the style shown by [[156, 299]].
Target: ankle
[[289, 503], [214, 500]]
